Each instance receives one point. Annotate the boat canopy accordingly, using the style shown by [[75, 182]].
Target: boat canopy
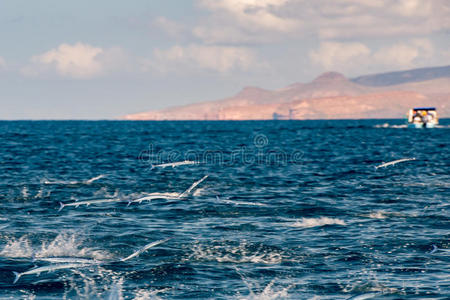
[[424, 108]]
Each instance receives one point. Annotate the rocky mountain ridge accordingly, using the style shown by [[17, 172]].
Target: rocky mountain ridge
[[329, 96]]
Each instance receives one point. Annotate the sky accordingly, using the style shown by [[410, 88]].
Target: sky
[[106, 58]]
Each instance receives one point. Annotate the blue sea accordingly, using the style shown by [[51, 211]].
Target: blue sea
[[255, 210]]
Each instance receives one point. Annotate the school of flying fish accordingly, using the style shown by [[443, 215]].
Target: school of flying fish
[[61, 263], [67, 263], [148, 197]]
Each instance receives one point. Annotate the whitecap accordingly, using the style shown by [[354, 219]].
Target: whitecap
[[365, 287], [17, 248], [316, 222], [64, 245], [69, 245], [199, 192], [269, 292], [143, 294], [387, 125], [377, 215], [242, 253], [116, 291], [381, 214]]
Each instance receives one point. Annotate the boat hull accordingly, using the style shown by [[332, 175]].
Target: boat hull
[[421, 125], [417, 125]]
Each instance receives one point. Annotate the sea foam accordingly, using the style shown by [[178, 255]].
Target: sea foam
[[316, 222], [242, 253], [269, 292], [64, 244]]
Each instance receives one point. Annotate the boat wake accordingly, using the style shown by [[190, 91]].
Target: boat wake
[[387, 125]]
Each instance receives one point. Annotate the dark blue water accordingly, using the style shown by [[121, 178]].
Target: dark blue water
[[302, 212]]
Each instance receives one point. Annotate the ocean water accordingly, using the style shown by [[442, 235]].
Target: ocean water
[[289, 210]]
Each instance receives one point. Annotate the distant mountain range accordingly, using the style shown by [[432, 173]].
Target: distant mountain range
[[329, 96], [399, 77]]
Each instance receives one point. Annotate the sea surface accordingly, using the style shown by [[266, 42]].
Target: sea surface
[[288, 210]]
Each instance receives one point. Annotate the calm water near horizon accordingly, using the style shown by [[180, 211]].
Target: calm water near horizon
[[289, 210]]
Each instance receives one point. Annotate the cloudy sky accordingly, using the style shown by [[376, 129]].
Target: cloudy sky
[[106, 58]]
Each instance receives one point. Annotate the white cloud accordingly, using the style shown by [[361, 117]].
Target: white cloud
[[265, 21], [171, 27], [230, 35], [79, 61], [199, 57], [405, 55], [339, 56], [399, 55], [413, 7], [351, 57], [235, 21], [383, 18], [445, 54], [254, 13]]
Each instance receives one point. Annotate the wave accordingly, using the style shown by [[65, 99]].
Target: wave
[[372, 289], [317, 222], [377, 215], [365, 284], [25, 194], [382, 214], [387, 125], [199, 192], [143, 294], [116, 292], [17, 248], [386, 214], [65, 244], [242, 253], [428, 184], [267, 293], [93, 283]]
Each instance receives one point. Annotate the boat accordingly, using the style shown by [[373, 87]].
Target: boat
[[422, 117]]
